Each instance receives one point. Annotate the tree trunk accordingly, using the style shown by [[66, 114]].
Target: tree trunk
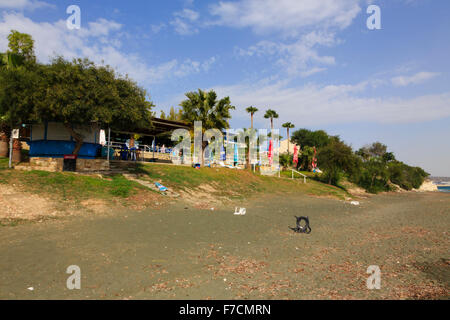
[[4, 141], [289, 153], [249, 167], [78, 139], [373, 179], [202, 160], [17, 151]]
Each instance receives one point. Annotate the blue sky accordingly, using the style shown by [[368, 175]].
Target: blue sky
[[314, 61]]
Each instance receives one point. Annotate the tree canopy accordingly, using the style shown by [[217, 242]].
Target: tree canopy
[[252, 110], [271, 114], [308, 138], [376, 149], [335, 160], [21, 44], [205, 107], [75, 93]]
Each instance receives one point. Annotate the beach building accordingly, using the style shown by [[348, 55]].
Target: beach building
[[51, 146], [53, 140], [284, 146]]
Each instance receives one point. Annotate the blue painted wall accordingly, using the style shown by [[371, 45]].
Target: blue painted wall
[[57, 149]]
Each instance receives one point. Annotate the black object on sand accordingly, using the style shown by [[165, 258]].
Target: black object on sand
[[302, 228]]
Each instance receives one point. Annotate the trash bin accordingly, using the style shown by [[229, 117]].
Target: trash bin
[[70, 163]]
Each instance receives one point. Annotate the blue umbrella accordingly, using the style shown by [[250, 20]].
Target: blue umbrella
[[236, 156]]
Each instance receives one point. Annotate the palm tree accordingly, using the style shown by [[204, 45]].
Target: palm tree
[[288, 126], [271, 114], [205, 107], [252, 110]]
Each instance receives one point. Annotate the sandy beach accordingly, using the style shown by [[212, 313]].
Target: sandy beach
[[180, 252]]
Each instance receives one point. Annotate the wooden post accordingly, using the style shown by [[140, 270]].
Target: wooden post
[[10, 149]]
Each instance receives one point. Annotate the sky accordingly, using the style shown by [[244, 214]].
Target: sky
[[313, 61]]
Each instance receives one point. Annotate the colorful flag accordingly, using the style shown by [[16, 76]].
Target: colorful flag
[[295, 160], [270, 155]]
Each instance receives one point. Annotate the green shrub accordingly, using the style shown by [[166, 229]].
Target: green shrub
[[286, 160], [405, 176]]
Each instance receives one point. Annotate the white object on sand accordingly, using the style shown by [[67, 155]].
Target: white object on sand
[[355, 203]]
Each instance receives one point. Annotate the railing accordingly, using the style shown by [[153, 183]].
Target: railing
[[295, 171]]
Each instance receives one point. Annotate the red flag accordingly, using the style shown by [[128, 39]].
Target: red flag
[[270, 155], [295, 160], [314, 161]]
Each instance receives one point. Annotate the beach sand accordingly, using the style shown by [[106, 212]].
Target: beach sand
[[184, 253]]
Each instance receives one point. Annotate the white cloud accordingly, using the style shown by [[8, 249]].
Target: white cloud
[[102, 27], [188, 14], [286, 16], [418, 78], [312, 105], [23, 4], [184, 21], [304, 26], [297, 58], [156, 28], [98, 42]]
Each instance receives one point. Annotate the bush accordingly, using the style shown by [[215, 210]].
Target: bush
[[336, 159], [332, 177], [286, 160], [405, 176]]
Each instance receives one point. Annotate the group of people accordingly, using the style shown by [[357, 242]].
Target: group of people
[[160, 149]]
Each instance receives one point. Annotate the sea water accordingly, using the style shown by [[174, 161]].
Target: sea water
[[444, 189]]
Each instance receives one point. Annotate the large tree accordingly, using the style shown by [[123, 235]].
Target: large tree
[[288, 126], [252, 110], [271, 114], [77, 94], [376, 149], [19, 55], [21, 44], [204, 106], [308, 138], [335, 159]]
